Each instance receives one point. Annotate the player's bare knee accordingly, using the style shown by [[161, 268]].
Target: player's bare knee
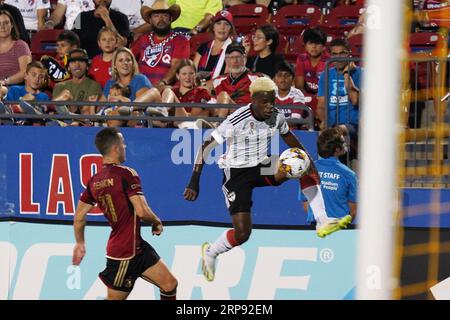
[[169, 286]]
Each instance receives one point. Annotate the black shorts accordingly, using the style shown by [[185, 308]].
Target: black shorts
[[238, 185], [122, 274]]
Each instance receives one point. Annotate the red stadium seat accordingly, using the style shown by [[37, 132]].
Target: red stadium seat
[[342, 19], [246, 17], [198, 39], [44, 43], [293, 19], [422, 41], [282, 45], [311, 101], [356, 44], [295, 46]]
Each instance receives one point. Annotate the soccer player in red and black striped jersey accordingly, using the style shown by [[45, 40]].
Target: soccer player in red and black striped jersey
[[118, 193]]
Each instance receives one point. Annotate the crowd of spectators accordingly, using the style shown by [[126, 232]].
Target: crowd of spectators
[[141, 51]]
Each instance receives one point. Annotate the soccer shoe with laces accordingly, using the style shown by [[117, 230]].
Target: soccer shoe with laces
[[333, 225], [208, 263]]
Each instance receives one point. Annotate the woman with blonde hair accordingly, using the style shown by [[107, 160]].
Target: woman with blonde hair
[[124, 70]]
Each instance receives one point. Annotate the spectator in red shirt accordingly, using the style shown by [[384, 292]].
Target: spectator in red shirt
[[159, 52], [309, 65], [100, 68], [187, 91], [234, 87]]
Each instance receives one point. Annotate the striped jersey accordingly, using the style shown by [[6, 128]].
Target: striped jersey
[[247, 138]]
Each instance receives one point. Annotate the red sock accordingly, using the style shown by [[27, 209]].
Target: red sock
[[231, 239]]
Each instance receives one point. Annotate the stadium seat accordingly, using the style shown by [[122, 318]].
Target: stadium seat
[[342, 19], [356, 44], [293, 19], [246, 17], [311, 101], [295, 46], [422, 41], [282, 45], [197, 40], [44, 43]]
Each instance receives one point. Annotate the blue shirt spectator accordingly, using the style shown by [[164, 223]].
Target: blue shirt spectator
[[16, 92], [338, 183], [338, 95], [138, 82], [339, 186]]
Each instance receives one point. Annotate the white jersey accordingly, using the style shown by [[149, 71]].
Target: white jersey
[[28, 9], [74, 8], [248, 139], [295, 96], [130, 8]]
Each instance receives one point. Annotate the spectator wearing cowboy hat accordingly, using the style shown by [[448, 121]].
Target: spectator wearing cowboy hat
[[159, 52]]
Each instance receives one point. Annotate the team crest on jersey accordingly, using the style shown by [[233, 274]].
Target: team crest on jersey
[[31, 3], [231, 196], [152, 55], [85, 4]]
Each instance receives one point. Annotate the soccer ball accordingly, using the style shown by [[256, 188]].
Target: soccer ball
[[294, 162]]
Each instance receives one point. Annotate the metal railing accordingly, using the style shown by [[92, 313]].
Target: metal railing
[[308, 120]]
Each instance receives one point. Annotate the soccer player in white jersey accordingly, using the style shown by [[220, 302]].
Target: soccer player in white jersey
[[248, 132]]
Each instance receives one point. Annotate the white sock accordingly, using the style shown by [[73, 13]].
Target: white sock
[[221, 245], [315, 201]]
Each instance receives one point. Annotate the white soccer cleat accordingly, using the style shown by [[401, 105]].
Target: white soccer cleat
[[208, 263]]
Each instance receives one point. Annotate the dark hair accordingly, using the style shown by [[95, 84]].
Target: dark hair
[[124, 90], [329, 140], [340, 42], [69, 36], [283, 65], [315, 35], [271, 33], [186, 62], [35, 64], [107, 138], [14, 29]]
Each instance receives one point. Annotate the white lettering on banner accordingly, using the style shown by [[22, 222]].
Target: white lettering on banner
[[97, 291], [142, 291], [34, 266], [265, 279], [8, 259], [228, 273], [74, 280], [266, 276]]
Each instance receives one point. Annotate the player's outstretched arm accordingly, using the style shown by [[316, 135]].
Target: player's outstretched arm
[[79, 222], [193, 189], [144, 212]]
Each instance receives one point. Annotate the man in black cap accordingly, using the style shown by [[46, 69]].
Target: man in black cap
[[79, 87], [233, 87]]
